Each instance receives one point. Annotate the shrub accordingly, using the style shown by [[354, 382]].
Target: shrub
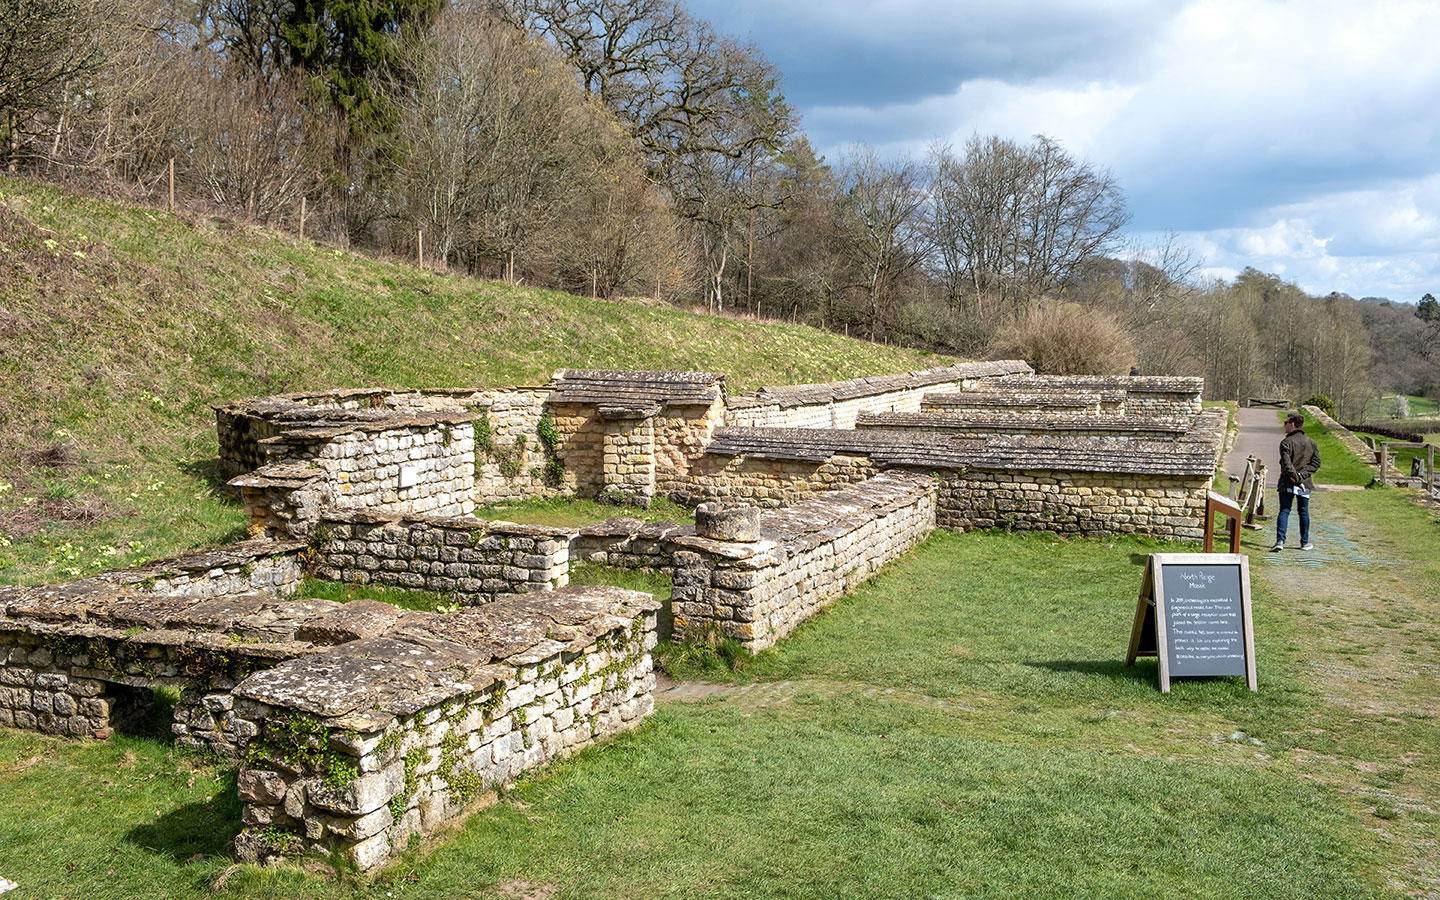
[[1066, 339], [1324, 403]]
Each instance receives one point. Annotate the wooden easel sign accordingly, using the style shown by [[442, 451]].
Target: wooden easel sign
[[1193, 615]]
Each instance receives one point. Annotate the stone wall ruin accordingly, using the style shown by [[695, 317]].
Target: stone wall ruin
[[359, 725]]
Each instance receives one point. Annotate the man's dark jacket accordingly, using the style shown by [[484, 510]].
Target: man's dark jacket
[[1299, 459]]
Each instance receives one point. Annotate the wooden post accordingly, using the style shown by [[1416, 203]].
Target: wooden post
[[1430, 468], [302, 218], [172, 184], [594, 282], [420, 248], [1384, 460]]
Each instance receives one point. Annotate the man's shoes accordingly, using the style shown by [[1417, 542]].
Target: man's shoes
[[1307, 546], [1277, 548]]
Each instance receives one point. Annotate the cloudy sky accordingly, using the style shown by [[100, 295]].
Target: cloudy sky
[[1302, 138]]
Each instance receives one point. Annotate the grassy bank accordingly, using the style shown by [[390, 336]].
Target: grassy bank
[[120, 326]]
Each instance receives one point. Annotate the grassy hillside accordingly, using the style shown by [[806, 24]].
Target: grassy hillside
[[120, 326]]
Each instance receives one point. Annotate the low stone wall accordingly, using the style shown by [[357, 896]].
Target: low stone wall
[[821, 549], [1347, 437], [509, 459], [1034, 424], [1094, 504], [1051, 405], [1161, 396], [836, 404], [771, 483], [365, 746], [82, 680], [425, 467], [259, 567], [808, 555], [476, 560], [359, 724]]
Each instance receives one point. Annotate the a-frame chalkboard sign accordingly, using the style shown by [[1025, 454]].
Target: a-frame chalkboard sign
[[1193, 615]]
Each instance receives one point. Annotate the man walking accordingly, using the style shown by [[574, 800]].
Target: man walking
[[1299, 460]]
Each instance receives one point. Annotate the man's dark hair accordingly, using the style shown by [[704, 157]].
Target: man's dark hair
[[1295, 419]]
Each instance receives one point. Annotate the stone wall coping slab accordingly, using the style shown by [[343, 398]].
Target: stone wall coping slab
[[980, 421], [806, 394]]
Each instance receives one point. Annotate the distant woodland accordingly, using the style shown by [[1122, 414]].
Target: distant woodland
[[625, 148]]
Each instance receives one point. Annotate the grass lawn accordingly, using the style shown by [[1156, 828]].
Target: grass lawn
[[1403, 456], [1417, 407], [962, 726]]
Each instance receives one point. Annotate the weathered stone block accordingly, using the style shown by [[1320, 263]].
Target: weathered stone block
[[362, 795], [261, 786]]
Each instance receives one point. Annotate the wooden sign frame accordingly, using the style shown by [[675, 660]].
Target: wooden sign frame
[[1150, 611]]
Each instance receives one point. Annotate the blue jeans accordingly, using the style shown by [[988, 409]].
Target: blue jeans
[[1282, 520]]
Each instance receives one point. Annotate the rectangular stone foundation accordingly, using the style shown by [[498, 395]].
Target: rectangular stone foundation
[[363, 781]]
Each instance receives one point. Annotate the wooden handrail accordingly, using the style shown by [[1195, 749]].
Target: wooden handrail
[[1222, 505]]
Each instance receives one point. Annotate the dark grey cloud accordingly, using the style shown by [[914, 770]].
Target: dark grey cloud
[[854, 53]]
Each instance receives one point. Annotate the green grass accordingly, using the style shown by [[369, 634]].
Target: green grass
[[962, 726], [1403, 455], [570, 511], [123, 330], [1418, 407], [1337, 464]]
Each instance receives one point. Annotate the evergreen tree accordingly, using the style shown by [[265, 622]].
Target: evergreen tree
[[1429, 309], [348, 45]]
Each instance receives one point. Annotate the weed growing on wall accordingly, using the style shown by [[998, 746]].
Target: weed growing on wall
[[553, 472]]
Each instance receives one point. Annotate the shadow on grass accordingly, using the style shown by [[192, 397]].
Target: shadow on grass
[[207, 471], [203, 828], [1114, 669]]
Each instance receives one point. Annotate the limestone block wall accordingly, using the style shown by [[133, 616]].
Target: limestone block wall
[[39, 693], [81, 682], [629, 456], [979, 425], [831, 545], [268, 567], [809, 554], [1042, 405], [476, 560], [830, 413], [416, 469], [770, 483], [681, 435], [836, 404], [239, 437], [1161, 396], [508, 452], [360, 777], [1087, 503]]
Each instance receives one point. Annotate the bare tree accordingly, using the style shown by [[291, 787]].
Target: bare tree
[[510, 169], [1016, 222], [882, 203], [703, 107], [44, 44]]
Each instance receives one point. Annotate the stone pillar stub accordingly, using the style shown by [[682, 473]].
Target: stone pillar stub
[[728, 522], [629, 453]]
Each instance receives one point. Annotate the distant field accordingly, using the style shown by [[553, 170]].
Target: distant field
[[1417, 407]]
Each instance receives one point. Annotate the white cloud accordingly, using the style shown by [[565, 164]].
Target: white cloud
[[1296, 137]]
